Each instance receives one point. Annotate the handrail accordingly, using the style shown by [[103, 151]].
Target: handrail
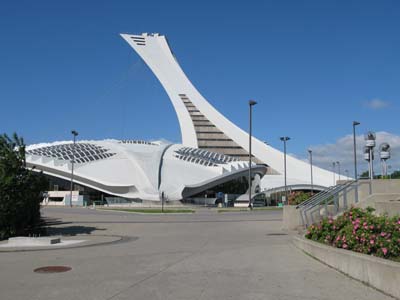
[[316, 196], [325, 198]]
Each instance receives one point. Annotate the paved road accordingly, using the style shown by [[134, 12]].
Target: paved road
[[193, 256]]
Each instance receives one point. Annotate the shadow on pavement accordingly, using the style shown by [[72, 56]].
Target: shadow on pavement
[[52, 221], [53, 226], [72, 230]]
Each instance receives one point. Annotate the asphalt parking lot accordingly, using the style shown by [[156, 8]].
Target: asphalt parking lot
[[205, 255]]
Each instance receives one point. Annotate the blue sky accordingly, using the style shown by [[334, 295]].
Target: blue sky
[[313, 67]]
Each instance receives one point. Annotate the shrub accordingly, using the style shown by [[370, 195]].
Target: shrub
[[361, 231], [20, 190], [295, 198]]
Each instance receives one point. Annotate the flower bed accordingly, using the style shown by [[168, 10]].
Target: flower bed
[[361, 231], [297, 197]]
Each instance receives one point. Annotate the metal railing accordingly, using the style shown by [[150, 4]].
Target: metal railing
[[323, 199]]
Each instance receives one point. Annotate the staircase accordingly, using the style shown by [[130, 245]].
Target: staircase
[[331, 201]]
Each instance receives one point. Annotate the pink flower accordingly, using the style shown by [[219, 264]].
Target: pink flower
[[371, 227], [384, 250], [345, 246], [372, 242], [383, 233]]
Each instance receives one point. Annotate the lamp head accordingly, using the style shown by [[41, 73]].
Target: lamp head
[[74, 132], [252, 102], [355, 123]]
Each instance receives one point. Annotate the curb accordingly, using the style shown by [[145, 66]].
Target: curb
[[382, 274]]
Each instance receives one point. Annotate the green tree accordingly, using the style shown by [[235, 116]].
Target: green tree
[[396, 175], [364, 174], [20, 190]]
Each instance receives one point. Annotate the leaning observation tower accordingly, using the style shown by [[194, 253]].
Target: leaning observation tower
[[202, 126]]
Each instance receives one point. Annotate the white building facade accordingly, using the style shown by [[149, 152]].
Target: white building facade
[[133, 169]]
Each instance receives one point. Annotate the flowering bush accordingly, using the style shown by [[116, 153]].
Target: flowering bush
[[361, 231], [295, 198]]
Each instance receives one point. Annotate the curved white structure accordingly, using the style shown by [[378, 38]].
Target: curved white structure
[[202, 126], [137, 169]]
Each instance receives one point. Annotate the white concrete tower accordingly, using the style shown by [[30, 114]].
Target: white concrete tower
[[204, 127]]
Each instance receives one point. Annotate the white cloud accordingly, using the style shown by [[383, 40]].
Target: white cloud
[[342, 151], [376, 104]]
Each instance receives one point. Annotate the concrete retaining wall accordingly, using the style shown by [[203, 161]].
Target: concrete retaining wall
[[391, 208], [377, 272], [291, 217], [378, 197], [379, 186]]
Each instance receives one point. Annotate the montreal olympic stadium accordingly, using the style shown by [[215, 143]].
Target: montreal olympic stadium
[[213, 154]]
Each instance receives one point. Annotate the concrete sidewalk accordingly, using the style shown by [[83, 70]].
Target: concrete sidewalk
[[196, 256]]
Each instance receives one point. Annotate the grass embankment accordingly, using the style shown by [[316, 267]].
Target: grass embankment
[[241, 209], [153, 210]]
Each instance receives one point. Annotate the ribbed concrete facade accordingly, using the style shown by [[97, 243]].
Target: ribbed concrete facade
[[211, 138]]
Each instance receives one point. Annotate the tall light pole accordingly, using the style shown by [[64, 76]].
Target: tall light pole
[[251, 104], [355, 123], [370, 143], [384, 153], [311, 166], [74, 133], [284, 139], [334, 174], [338, 164]]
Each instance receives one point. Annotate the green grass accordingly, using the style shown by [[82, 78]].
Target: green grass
[[152, 210], [241, 209]]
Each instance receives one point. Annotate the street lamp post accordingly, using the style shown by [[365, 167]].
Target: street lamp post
[[311, 166], [370, 143], [338, 164], [251, 104], [284, 139], [74, 133], [355, 123], [162, 201], [334, 174]]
